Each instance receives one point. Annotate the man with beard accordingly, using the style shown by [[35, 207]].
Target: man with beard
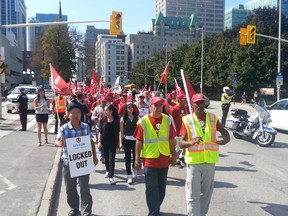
[[198, 137]]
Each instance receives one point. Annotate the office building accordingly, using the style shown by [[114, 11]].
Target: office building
[[235, 16], [209, 12], [90, 39], [166, 33], [111, 59], [14, 12]]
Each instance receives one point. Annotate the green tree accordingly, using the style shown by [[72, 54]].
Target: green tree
[[57, 46]]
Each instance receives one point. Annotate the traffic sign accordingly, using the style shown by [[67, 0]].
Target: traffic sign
[[234, 78], [279, 79]]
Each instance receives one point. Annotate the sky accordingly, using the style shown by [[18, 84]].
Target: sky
[[137, 14]]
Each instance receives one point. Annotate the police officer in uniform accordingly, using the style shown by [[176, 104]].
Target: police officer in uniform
[[22, 107], [226, 101]]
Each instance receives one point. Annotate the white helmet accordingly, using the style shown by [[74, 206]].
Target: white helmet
[[226, 88]]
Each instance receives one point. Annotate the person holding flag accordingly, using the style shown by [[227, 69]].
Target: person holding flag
[[198, 138]]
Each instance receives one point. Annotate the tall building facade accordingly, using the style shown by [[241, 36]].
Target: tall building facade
[[209, 12], [166, 33], [237, 15], [14, 12], [90, 40], [111, 59], [34, 32]]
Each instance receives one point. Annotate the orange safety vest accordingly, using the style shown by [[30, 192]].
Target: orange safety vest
[[207, 150], [60, 105]]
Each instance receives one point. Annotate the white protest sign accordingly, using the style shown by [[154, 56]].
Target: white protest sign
[[80, 156]]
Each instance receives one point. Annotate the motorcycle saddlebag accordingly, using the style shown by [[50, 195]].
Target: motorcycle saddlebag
[[239, 112], [232, 123]]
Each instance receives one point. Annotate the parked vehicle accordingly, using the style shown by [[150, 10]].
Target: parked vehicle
[[11, 102], [254, 127], [279, 112]]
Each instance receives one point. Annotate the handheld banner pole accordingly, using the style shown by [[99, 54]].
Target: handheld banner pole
[[194, 133]]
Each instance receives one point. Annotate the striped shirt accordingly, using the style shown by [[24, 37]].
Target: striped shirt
[[68, 131]]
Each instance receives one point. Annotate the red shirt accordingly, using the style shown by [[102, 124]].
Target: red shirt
[[162, 161], [177, 113], [169, 106], [202, 120]]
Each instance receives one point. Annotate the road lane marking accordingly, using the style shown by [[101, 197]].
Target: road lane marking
[[10, 184]]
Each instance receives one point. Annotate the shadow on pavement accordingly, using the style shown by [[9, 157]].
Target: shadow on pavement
[[233, 168], [273, 208], [218, 184]]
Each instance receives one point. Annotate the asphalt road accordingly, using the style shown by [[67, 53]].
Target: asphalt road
[[250, 180]]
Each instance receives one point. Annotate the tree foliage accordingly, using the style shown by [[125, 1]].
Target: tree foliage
[[60, 50]]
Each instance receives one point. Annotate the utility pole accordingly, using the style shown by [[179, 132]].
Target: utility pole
[[279, 48]]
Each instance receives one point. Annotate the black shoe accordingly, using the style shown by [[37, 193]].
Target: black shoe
[[22, 129], [55, 132], [74, 213]]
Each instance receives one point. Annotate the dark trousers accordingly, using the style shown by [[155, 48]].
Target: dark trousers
[[225, 110], [61, 117], [23, 120], [109, 154], [155, 180], [129, 146], [72, 194]]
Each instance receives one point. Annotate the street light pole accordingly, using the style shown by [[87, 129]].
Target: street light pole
[[202, 59], [279, 47]]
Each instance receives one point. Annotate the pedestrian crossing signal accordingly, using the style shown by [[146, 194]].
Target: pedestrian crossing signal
[[2, 67], [251, 34]]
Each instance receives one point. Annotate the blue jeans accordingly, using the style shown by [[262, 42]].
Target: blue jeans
[[155, 180], [72, 194]]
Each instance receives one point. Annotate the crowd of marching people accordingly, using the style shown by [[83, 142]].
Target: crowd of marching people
[[147, 127]]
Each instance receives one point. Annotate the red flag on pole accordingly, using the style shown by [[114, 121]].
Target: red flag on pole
[[177, 88], [190, 88], [93, 83], [164, 75], [58, 84], [144, 89]]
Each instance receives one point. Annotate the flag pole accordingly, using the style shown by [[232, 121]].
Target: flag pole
[[56, 104], [188, 101]]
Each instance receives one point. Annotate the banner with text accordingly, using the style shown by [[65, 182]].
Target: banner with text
[[80, 156]]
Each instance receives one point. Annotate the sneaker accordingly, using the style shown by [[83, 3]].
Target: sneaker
[[112, 182], [74, 213], [129, 179], [106, 175]]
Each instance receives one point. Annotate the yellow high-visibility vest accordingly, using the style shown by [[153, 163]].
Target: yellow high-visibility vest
[[224, 100], [60, 105], [153, 145], [207, 151]]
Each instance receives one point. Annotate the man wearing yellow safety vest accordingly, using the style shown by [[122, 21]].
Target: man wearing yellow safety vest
[[59, 110], [226, 102], [198, 135], [155, 142]]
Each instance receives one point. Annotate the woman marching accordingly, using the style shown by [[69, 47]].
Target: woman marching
[[128, 124], [109, 139], [41, 106]]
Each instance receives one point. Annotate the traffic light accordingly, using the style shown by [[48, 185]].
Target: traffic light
[[2, 67], [251, 34], [116, 23], [243, 36]]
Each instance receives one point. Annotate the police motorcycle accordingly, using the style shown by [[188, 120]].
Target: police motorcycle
[[254, 127]]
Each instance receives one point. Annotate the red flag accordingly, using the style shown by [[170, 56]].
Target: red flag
[[177, 88], [190, 88], [102, 87], [85, 88], [58, 84], [144, 89], [93, 84], [164, 75]]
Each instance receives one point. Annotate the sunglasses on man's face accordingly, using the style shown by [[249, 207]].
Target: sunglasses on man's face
[[129, 107]]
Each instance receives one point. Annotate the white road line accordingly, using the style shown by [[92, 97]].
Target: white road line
[[11, 186]]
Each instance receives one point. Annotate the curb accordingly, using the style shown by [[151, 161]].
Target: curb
[[46, 203]]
